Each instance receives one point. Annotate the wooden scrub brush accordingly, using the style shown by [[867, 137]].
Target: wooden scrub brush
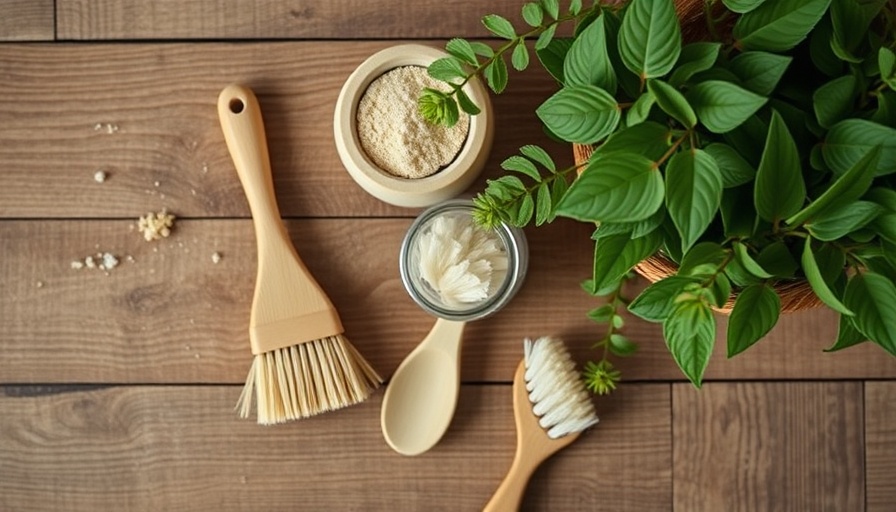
[[551, 407], [303, 364]]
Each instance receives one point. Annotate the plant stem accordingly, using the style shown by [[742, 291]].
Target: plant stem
[[499, 53], [672, 149]]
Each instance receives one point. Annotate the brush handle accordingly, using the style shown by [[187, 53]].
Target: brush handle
[[289, 307], [533, 446], [243, 128]]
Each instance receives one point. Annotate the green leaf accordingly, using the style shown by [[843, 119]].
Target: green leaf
[[690, 331], [650, 38], [780, 190], [602, 314], [885, 226], [722, 106], [847, 335], [694, 58], [778, 26], [672, 102], [704, 253], [739, 275], [499, 26], [755, 312], [575, 6], [588, 62], [520, 57], [542, 204], [885, 197], [649, 139], [873, 298], [886, 61], [553, 55], [527, 209], [748, 263], [496, 75], [760, 72], [466, 103], [720, 290], [538, 154], [834, 100], [621, 346], [738, 212], [559, 187], [640, 109], [777, 260], [628, 81], [886, 108], [583, 113], [845, 190], [552, 7], [623, 187], [533, 14], [742, 6], [693, 193], [850, 20], [733, 168], [820, 51], [633, 229], [849, 140], [545, 38], [482, 49], [818, 282], [831, 263], [463, 50], [835, 224], [616, 255], [656, 301], [447, 69], [521, 165]]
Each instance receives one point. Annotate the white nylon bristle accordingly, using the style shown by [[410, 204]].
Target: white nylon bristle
[[556, 390]]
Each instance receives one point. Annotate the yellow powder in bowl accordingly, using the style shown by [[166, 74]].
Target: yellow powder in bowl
[[395, 136]]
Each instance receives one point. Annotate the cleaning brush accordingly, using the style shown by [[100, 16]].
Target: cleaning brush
[[303, 364], [551, 407]]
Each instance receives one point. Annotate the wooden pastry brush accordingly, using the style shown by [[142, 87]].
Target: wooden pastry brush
[[551, 406], [303, 364]]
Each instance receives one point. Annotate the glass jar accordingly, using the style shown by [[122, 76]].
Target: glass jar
[[511, 240]]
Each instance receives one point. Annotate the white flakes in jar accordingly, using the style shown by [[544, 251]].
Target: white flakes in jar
[[462, 262]]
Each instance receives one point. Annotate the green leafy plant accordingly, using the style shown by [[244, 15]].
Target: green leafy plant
[[764, 153]]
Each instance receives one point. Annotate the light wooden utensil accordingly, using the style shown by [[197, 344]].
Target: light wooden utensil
[[303, 364], [422, 395], [551, 407]]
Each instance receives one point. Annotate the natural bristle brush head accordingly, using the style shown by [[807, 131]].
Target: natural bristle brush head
[[551, 406], [558, 396]]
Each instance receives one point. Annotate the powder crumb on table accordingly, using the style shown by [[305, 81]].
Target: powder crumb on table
[[216, 257], [99, 176], [104, 261], [395, 136], [154, 226]]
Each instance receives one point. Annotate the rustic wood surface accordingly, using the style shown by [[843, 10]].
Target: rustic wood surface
[[118, 389]]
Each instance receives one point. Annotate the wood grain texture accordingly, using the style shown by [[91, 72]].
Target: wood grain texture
[[182, 447], [768, 446], [174, 316], [145, 113], [880, 445], [249, 19], [27, 20]]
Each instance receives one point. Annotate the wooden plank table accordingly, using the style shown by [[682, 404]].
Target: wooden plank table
[[118, 389]]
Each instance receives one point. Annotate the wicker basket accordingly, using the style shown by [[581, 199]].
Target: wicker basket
[[796, 295]]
